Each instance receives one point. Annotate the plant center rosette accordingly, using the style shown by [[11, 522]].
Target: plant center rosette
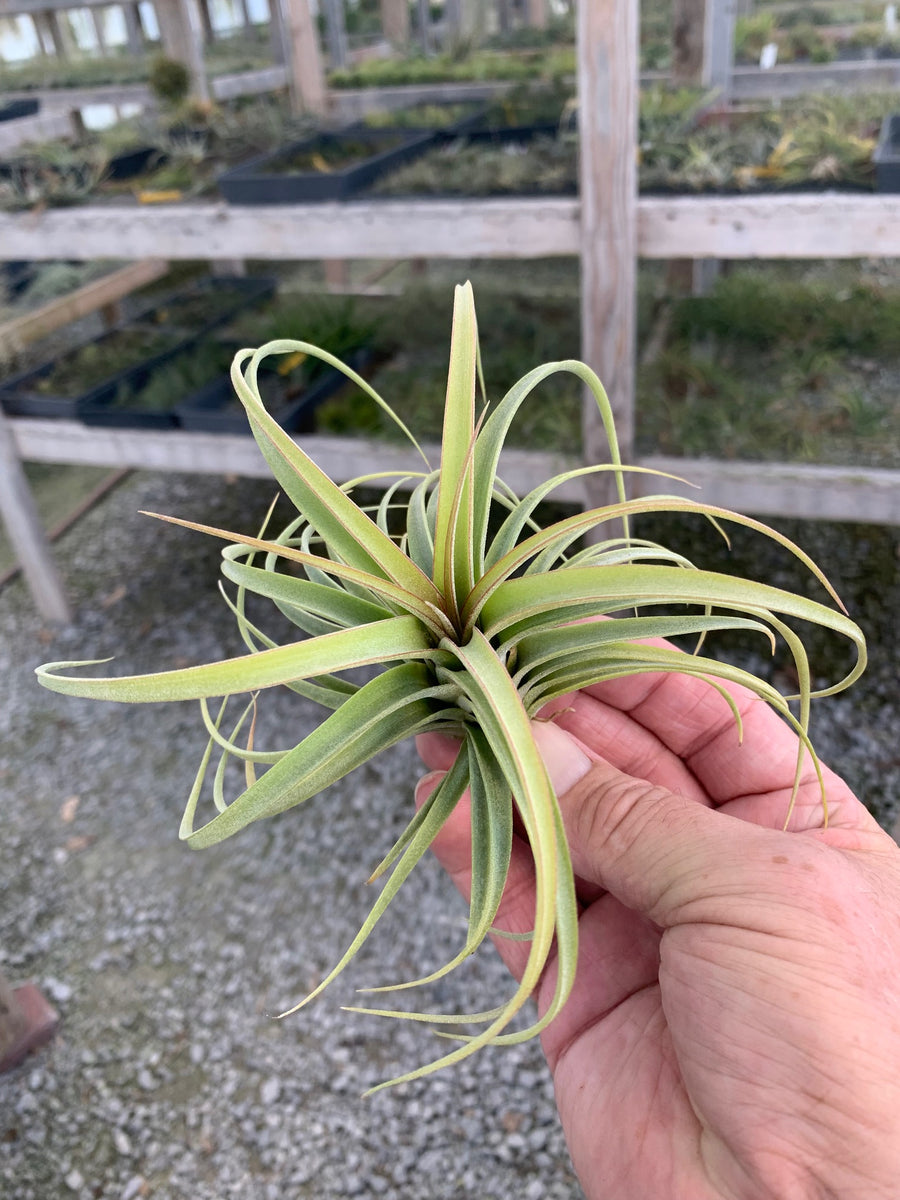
[[478, 617]]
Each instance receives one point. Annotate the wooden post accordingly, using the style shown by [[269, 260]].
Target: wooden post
[[47, 28], [504, 17], [133, 30], [607, 50], [537, 13], [688, 42], [305, 60], [424, 21], [335, 32], [395, 21], [97, 18], [209, 34], [26, 534], [181, 30], [278, 34], [473, 19], [454, 19], [719, 57]]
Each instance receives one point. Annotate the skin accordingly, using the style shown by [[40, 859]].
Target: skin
[[734, 1027]]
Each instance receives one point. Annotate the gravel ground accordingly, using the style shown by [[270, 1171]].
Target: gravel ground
[[168, 1079]]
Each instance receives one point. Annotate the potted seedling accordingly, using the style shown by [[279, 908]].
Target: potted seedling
[[478, 617]]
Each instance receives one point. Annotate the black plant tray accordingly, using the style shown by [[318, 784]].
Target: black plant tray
[[887, 155], [20, 397], [214, 408], [135, 162], [260, 182], [248, 290], [13, 109], [102, 409]]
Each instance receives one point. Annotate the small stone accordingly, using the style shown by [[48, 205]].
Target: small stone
[[146, 1080], [74, 1181], [121, 1141], [197, 1054], [58, 991], [134, 1187], [270, 1090]]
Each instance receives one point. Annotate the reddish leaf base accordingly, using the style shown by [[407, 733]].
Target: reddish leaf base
[[41, 1022]]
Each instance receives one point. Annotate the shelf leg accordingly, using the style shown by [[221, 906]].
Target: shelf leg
[[19, 514]]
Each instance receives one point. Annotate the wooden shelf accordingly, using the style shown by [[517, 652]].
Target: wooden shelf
[[768, 489], [826, 225]]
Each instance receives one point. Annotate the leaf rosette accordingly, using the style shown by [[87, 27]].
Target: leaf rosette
[[479, 617]]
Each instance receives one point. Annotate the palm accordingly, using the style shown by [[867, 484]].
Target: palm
[[657, 1095]]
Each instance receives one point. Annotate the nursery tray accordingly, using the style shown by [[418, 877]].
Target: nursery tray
[[12, 110], [215, 409], [519, 135], [247, 290], [259, 181], [132, 163], [19, 395], [887, 155]]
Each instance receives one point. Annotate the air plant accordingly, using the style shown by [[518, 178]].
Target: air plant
[[478, 617]]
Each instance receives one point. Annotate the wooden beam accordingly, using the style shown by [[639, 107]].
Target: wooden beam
[[830, 225], [395, 21], [838, 225], [423, 22], [514, 228], [26, 534], [305, 72], [719, 55], [27, 328], [537, 13], [181, 29], [768, 489], [688, 40], [223, 87], [335, 31], [607, 47]]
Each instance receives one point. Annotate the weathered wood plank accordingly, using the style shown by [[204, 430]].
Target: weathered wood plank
[[306, 75], [26, 534], [223, 87], [363, 229], [831, 224], [607, 46], [823, 225], [93, 296], [768, 489]]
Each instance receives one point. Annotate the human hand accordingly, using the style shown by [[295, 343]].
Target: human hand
[[734, 1026]]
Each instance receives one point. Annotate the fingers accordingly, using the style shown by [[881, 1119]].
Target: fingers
[[680, 732], [453, 848]]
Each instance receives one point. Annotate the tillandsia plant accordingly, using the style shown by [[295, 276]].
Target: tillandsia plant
[[479, 617]]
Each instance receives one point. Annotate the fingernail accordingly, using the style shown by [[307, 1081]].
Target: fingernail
[[426, 786], [563, 756]]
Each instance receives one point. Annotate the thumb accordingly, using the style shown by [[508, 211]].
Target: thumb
[[653, 849]]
